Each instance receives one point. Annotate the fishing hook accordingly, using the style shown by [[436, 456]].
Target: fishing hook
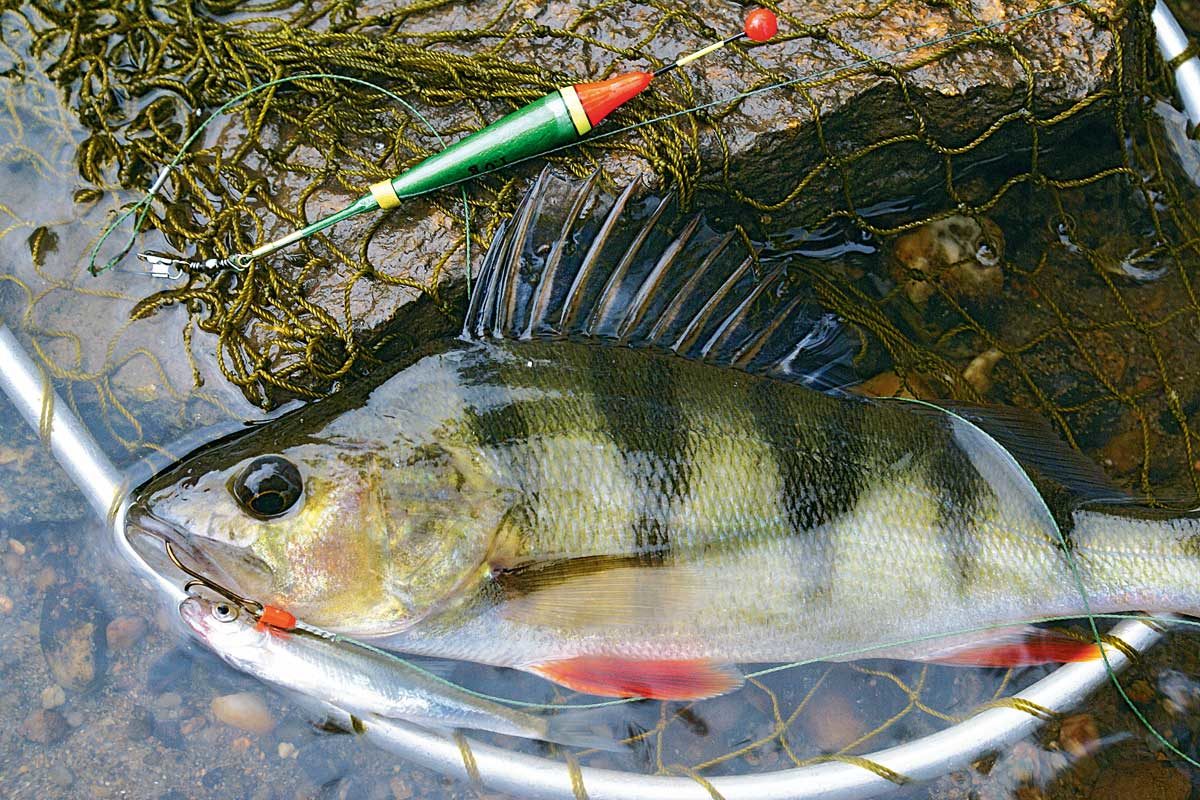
[[173, 268], [252, 607]]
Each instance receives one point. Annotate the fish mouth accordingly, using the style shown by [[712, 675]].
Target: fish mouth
[[149, 535], [193, 614]]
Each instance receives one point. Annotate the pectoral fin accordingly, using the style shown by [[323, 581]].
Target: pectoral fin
[[654, 680]]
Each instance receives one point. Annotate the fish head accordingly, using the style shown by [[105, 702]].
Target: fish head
[[353, 534], [228, 630]]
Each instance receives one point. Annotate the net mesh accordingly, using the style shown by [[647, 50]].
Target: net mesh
[[1081, 206]]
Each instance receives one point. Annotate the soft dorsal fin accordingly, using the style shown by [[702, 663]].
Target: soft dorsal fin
[[576, 262]]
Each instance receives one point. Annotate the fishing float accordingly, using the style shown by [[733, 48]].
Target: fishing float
[[560, 118]]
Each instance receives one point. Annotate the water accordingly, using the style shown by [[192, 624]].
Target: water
[[138, 720]]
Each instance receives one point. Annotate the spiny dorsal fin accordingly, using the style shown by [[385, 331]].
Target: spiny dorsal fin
[[575, 262]]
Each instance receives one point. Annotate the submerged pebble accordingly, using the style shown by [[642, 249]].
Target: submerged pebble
[[124, 632], [962, 254], [45, 727], [72, 637], [53, 696], [244, 710]]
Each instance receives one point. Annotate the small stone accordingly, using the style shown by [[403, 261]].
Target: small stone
[[45, 727], [53, 696], [6, 604], [72, 637], [168, 700], [192, 725], [979, 372], [140, 724], [60, 776], [400, 789], [1123, 452], [832, 722], [124, 632], [1079, 735], [244, 710], [13, 564], [16, 546], [240, 744], [74, 718], [46, 578], [286, 750], [1140, 691]]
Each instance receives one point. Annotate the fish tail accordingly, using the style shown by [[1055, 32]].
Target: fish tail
[[578, 729]]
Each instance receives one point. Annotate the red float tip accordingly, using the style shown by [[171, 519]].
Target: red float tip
[[761, 25], [603, 97]]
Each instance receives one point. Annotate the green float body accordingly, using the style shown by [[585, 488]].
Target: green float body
[[540, 126]]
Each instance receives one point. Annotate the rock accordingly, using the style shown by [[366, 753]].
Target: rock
[[60, 776], [124, 632], [16, 546], [244, 710], [1140, 691], [952, 101], [72, 637], [286, 750], [45, 727], [979, 372], [140, 724], [1079, 735], [1139, 780], [168, 733], [831, 722], [1123, 452], [961, 254], [168, 700], [53, 696], [6, 604]]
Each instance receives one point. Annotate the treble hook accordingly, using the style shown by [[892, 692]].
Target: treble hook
[[252, 607]]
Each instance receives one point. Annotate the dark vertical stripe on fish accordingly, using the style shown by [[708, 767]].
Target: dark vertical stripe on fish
[[962, 498], [643, 419]]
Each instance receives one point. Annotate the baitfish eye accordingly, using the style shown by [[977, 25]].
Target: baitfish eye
[[225, 612], [268, 486]]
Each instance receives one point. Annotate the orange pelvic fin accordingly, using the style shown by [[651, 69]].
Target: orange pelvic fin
[[1020, 647], [655, 680]]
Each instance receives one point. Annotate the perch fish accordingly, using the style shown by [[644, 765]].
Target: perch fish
[[634, 470]]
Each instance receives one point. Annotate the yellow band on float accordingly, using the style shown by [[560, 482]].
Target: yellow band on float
[[579, 117], [385, 194]]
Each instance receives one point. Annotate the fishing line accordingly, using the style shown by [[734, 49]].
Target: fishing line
[[142, 207]]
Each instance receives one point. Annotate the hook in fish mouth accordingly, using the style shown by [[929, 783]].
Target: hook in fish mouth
[[142, 525]]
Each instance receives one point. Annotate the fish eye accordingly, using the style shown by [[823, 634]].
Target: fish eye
[[225, 612], [268, 487]]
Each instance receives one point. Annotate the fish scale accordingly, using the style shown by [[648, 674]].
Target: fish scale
[[627, 516]]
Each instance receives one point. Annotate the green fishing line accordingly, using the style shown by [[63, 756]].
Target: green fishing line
[[142, 207]]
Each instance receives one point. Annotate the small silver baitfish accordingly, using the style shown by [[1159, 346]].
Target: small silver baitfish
[[364, 683], [632, 471]]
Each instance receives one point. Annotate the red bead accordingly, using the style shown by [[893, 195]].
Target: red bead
[[277, 618], [761, 24]]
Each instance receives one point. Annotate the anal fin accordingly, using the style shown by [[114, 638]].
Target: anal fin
[[1024, 646], [653, 680]]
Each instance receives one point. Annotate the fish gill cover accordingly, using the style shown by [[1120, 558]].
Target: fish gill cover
[[1027, 133]]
